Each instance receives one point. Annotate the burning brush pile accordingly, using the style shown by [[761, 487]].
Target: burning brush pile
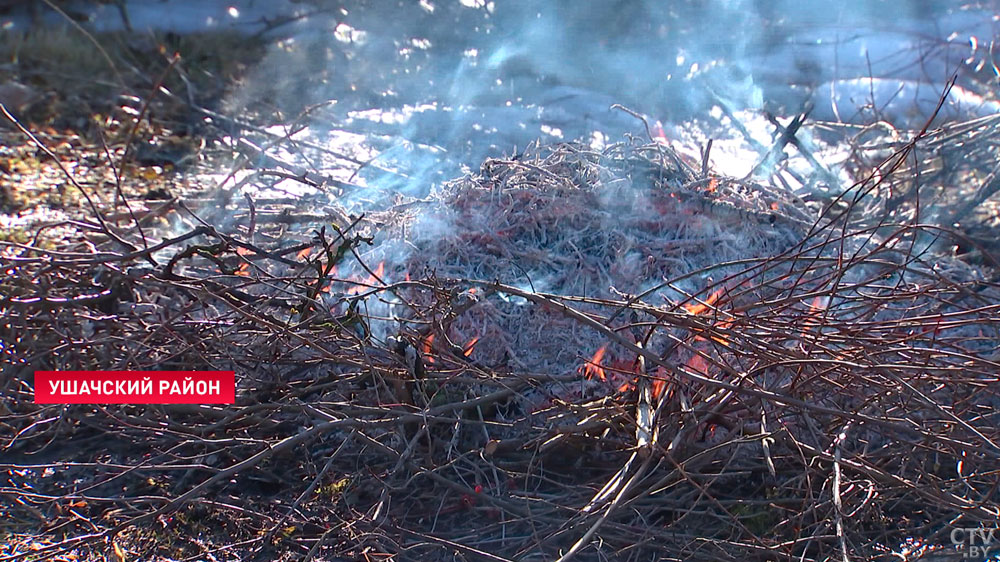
[[571, 353]]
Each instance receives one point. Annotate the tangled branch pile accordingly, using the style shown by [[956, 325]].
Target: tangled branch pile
[[591, 354]]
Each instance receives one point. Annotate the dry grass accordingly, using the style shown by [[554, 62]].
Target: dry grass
[[815, 389]]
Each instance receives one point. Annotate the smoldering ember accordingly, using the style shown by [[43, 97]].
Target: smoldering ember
[[503, 280]]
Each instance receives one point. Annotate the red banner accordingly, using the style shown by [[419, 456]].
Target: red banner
[[135, 387]]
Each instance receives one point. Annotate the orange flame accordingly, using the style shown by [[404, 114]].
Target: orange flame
[[657, 388], [659, 383], [699, 308], [698, 364], [819, 303], [816, 307], [244, 268], [304, 253], [593, 367], [659, 135], [371, 281], [722, 325], [470, 347], [428, 343]]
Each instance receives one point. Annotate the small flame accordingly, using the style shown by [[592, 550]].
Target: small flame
[[816, 307], [593, 367], [304, 253], [370, 282], [659, 135], [659, 383], [713, 184], [698, 364], [244, 268], [722, 325], [470, 347], [658, 386], [428, 343], [699, 308]]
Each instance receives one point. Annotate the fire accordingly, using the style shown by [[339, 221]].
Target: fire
[[659, 383], [659, 135], [698, 364], [470, 347], [304, 253], [657, 388], [699, 308], [371, 281], [428, 344], [816, 307], [593, 367], [244, 268], [722, 325]]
